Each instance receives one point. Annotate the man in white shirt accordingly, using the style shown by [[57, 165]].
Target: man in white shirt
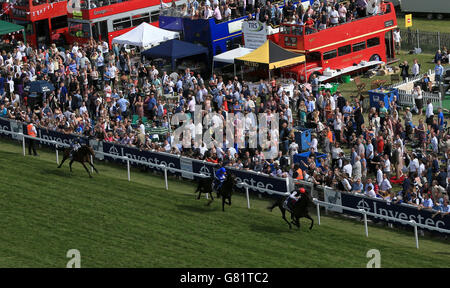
[[379, 175], [334, 17], [415, 68], [434, 142], [313, 144], [387, 165], [385, 186], [397, 38], [347, 168], [414, 164], [369, 151], [429, 112]]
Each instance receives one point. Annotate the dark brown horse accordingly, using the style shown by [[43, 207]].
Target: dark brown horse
[[83, 154], [226, 190], [299, 210], [205, 185]]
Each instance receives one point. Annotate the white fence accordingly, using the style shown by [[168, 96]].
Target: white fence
[[365, 213], [407, 99], [405, 88], [318, 203]]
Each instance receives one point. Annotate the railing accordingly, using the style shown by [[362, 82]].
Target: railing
[[313, 187], [407, 99], [367, 213], [127, 159]]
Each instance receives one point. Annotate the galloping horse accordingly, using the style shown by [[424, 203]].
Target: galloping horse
[[226, 190], [83, 154], [300, 210], [205, 185]]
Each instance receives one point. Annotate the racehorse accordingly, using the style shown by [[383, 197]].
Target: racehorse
[[299, 210], [83, 154], [205, 185], [226, 190]]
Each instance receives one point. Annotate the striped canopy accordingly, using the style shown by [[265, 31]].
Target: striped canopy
[[271, 56]]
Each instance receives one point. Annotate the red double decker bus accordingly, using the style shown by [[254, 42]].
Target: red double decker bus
[[106, 19], [45, 21], [366, 39]]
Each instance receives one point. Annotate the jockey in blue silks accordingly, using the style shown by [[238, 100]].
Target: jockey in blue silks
[[75, 145], [220, 176]]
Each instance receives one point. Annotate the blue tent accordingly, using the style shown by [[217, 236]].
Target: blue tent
[[175, 49]]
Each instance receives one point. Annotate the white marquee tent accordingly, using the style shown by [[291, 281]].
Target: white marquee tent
[[229, 56], [145, 35]]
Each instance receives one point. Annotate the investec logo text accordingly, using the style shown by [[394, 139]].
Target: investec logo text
[[362, 204], [114, 151]]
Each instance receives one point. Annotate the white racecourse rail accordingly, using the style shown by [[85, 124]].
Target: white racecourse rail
[[247, 186]]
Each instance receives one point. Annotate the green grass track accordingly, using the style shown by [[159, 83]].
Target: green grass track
[[45, 211]]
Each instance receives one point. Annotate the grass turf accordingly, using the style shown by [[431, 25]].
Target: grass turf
[[45, 211]]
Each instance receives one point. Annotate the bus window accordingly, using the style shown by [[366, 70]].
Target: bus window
[[59, 22], [313, 57], [344, 50], [329, 55], [373, 42], [290, 41], [138, 19], [359, 46], [122, 23], [79, 29]]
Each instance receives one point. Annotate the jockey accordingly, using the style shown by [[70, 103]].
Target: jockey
[[74, 146], [220, 176], [293, 198]]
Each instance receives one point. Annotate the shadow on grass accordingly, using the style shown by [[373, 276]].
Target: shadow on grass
[[199, 207], [57, 171], [282, 227]]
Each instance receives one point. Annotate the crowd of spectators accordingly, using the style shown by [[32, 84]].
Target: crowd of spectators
[[319, 15], [105, 93]]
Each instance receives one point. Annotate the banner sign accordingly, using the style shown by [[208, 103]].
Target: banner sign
[[399, 211], [191, 165], [5, 125], [186, 165], [136, 154], [334, 197], [248, 177], [255, 33], [58, 137]]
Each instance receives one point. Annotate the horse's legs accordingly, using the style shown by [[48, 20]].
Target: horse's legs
[[92, 165], [229, 201], [70, 165], [212, 198], [312, 221], [64, 159], [223, 204], [199, 193], [297, 222], [87, 170], [283, 213]]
